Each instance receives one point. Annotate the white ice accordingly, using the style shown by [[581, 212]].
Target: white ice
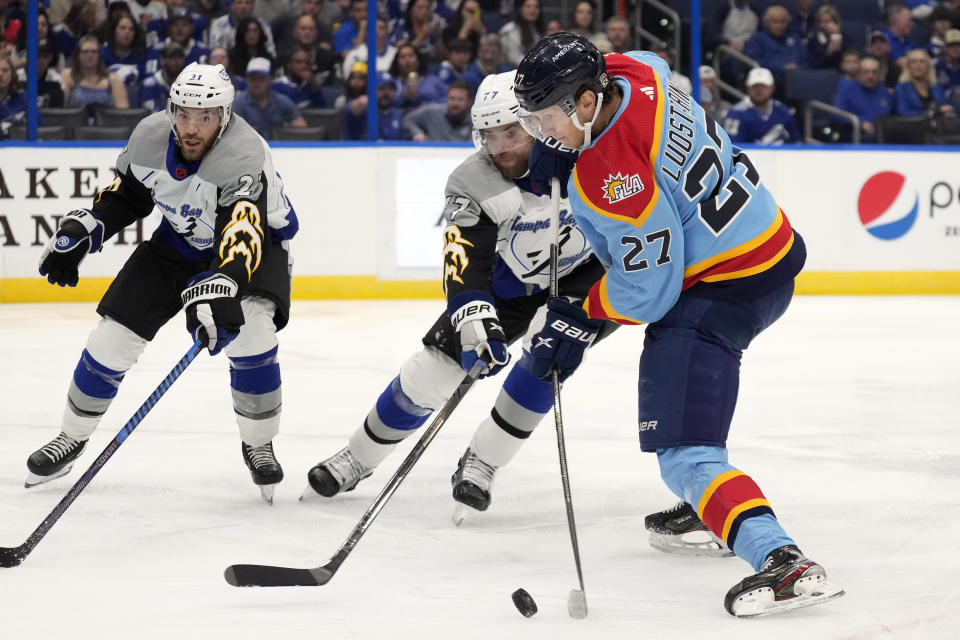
[[848, 419]]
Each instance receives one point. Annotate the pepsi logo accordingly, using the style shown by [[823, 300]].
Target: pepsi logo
[[888, 205]]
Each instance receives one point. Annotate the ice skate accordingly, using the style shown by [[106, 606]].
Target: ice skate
[[787, 581], [471, 484], [264, 468], [53, 459], [337, 474], [679, 530]]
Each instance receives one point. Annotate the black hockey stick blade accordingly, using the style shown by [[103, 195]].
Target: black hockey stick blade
[[12, 556], [259, 575]]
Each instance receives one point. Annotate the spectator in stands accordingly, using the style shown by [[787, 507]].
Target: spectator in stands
[[489, 60], [467, 25], [732, 23], [582, 18], [386, 52], [414, 86], [941, 20], [759, 118], [355, 85], [421, 27], [803, 19], [13, 101], [209, 10], [50, 84], [948, 66], [222, 32], [866, 97], [250, 41], [774, 47], [523, 31], [825, 46], [263, 108], [680, 80], [849, 64], [81, 19], [455, 66], [879, 48], [157, 29], [353, 31], [553, 26], [327, 14], [918, 93], [87, 82], [270, 10], [899, 27], [306, 37], [44, 35], [445, 122], [58, 10], [299, 82], [146, 10], [125, 51], [219, 55], [617, 33], [389, 119], [180, 29], [715, 106], [155, 90]]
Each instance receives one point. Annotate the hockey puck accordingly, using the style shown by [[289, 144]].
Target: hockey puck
[[524, 603]]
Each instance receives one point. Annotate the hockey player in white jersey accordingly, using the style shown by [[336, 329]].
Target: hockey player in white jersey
[[220, 253], [496, 277]]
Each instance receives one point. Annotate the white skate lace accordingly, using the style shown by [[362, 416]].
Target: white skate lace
[[261, 456], [59, 447], [347, 469], [477, 472]]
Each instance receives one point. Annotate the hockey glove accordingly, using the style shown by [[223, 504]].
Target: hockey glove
[[551, 159], [80, 232], [566, 335], [213, 310], [481, 337]]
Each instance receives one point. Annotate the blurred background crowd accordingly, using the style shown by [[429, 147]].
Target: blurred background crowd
[[853, 71]]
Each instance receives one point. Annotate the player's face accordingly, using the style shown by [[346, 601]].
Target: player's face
[[197, 130], [552, 122], [509, 148]]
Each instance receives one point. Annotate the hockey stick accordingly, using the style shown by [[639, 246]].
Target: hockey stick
[[577, 599], [260, 575], [13, 556]]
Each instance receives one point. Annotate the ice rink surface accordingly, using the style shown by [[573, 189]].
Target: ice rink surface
[[848, 419]]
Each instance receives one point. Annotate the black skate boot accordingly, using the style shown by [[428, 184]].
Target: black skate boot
[[787, 581], [338, 473], [471, 484], [264, 468], [53, 459], [679, 530]]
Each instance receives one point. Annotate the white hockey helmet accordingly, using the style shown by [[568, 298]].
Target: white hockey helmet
[[495, 106], [202, 86]]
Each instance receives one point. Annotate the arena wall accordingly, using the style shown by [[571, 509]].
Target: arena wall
[[879, 221]]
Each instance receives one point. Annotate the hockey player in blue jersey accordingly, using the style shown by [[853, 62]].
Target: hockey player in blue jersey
[[694, 245], [496, 267]]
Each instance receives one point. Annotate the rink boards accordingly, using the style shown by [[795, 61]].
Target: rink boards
[[876, 221]]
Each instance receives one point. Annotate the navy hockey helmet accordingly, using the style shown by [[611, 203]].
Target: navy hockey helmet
[[552, 74]]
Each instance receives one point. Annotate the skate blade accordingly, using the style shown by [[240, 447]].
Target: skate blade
[[810, 591], [577, 604], [33, 479], [695, 543], [459, 513], [266, 492], [309, 495]]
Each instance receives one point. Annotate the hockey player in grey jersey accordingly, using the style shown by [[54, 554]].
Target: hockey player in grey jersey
[[496, 278], [220, 253]]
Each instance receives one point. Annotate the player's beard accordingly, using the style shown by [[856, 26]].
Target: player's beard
[[512, 164], [196, 153]]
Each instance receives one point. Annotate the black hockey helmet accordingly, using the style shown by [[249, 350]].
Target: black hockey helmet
[[555, 69]]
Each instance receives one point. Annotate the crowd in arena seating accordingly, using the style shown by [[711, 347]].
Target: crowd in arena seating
[[773, 72]]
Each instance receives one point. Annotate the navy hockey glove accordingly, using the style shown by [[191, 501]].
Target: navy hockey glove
[[80, 232], [474, 318], [566, 335], [213, 309], [551, 159]]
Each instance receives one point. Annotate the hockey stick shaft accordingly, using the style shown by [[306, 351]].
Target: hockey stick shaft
[[13, 556], [577, 603], [247, 575]]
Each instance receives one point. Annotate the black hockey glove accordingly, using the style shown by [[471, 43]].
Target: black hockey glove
[[80, 232], [481, 337], [567, 333], [213, 310], [551, 159]]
